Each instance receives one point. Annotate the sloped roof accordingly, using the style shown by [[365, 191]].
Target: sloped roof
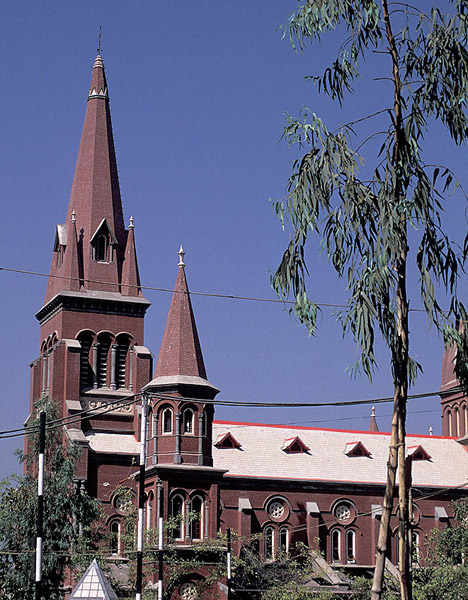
[[93, 585], [263, 457], [114, 443]]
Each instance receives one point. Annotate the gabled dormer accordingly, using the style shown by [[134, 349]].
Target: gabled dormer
[[418, 453], [227, 440], [294, 445], [102, 242], [354, 449]]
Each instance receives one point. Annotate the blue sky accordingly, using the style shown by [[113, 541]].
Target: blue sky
[[198, 96]]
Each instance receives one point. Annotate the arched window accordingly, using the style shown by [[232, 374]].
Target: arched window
[[449, 420], [167, 421], [284, 540], [350, 546], [101, 248], [177, 513], [336, 545], [149, 510], [416, 548], [457, 422], [102, 361], [465, 419], [269, 543], [188, 420], [86, 372], [123, 344], [114, 529], [196, 518]]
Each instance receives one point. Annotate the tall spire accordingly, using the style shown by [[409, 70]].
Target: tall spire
[[180, 352], [95, 197]]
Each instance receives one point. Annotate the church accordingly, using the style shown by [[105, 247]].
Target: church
[[274, 485]]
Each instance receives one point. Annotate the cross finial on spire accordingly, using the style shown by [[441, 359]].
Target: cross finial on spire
[[99, 41], [73, 217], [181, 257], [131, 225]]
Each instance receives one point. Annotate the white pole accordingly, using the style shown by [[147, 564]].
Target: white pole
[[141, 500]]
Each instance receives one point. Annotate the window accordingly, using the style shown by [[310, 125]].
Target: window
[[86, 373], [269, 537], [284, 540], [196, 518], [457, 422], [167, 421], [122, 353], [188, 591], [177, 512], [114, 529], [416, 547], [101, 248], [188, 420], [226, 440], [102, 361], [350, 546], [344, 512], [336, 545], [449, 419], [149, 511]]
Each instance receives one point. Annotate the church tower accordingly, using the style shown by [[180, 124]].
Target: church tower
[[453, 400], [92, 352]]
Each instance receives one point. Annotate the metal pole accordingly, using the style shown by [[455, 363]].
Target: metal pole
[[228, 581], [160, 559], [141, 500], [40, 505]]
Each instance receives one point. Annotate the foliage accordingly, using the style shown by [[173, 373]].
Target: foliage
[[361, 209], [66, 545]]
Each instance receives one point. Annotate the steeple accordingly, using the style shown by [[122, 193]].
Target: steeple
[[180, 353], [95, 200]]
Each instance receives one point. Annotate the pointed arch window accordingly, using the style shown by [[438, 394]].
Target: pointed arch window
[[188, 420], [449, 419], [177, 513], [115, 540], [101, 248], [102, 242], [196, 522], [123, 344], [336, 545], [350, 546], [86, 371], [269, 543], [284, 540], [167, 421]]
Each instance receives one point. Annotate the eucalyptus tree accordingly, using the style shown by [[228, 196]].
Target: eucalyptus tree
[[365, 210], [71, 517]]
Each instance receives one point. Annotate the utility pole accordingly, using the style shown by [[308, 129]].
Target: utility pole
[[141, 500], [40, 505], [228, 579], [160, 558]]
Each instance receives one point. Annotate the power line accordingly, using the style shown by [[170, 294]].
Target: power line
[[171, 291]]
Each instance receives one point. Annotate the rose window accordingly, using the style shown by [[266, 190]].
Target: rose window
[[343, 512], [276, 509], [188, 591]]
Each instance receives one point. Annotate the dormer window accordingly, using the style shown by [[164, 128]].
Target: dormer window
[[103, 241], [356, 449], [294, 446], [101, 248], [418, 453], [227, 440]]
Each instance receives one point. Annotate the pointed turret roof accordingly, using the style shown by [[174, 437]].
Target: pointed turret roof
[[180, 359], [130, 274], [373, 421], [180, 352], [95, 197]]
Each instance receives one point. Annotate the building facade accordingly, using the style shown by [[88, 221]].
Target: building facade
[[274, 485]]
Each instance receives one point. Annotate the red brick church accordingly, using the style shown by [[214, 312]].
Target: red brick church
[[273, 484]]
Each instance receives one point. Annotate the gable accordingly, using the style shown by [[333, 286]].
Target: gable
[[356, 449], [418, 453], [227, 440], [294, 446]]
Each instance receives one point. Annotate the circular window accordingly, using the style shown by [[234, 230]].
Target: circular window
[[344, 512], [188, 591], [123, 501], [277, 509]]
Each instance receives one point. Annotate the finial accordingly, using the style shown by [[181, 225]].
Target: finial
[[99, 41], [73, 216], [373, 412], [131, 225], [431, 430], [181, 257]]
